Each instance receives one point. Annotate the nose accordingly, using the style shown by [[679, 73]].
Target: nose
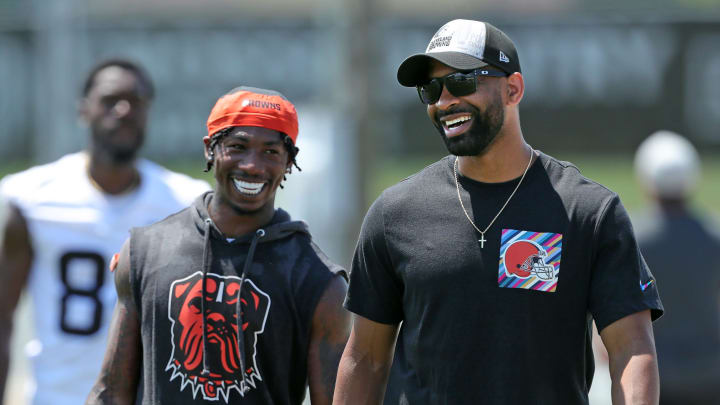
[[446, 100], [122, 108], [251, 163]]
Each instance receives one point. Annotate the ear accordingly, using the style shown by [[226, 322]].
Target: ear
[[82, 110], [206, 142], [515, 88]]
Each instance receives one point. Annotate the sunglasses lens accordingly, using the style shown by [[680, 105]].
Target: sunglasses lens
[[430, 92], [460, 84]]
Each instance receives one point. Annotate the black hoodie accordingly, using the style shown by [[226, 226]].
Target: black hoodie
[[186, 278]]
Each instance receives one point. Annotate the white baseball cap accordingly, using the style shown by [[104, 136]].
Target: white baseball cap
[[668, 165], [462, 45]]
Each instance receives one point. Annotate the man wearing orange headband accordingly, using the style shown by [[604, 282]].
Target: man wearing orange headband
[[229, 300]]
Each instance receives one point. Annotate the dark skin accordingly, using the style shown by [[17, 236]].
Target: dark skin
[[253, 156], [115, 109], [365, 364], [15, 259], [118, 380]]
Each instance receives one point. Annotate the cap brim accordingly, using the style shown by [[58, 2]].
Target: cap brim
[[414, 69]]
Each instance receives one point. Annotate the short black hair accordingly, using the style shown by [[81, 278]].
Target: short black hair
[[133, 67], [217, 136]]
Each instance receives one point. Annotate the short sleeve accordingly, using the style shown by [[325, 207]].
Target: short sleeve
[[621, 282], [9, 189], [375, 291]]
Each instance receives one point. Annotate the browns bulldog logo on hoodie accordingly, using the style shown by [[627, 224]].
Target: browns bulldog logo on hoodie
[[232, 312]]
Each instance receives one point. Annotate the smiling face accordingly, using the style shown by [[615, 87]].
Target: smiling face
[[250, 163], [468, 124], [116, 109]]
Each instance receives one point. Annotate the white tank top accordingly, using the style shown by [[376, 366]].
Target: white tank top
[[75, 229]]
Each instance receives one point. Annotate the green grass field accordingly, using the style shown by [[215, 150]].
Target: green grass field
[[613, 171]]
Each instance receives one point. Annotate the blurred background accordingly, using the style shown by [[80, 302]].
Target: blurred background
[[600, 77]]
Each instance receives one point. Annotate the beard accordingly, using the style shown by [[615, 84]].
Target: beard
[[118, 151], [484, 128]]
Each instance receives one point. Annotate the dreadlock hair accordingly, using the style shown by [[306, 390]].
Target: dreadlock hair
[[217, 136], [214, 139]]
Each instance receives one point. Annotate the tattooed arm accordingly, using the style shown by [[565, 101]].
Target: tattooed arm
[[330, 331], [117, 383]]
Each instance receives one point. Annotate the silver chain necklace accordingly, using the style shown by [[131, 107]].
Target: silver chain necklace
[[482, 239]]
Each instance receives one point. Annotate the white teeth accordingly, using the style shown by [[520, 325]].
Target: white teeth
[[248, 188], [457, 120]]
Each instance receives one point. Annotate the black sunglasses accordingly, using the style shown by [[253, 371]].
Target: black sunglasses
[[458, 84]]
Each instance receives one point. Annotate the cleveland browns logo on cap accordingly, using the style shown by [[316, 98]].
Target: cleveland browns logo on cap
[[250, 106]]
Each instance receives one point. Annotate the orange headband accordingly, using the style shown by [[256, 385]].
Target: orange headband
[[254, 108]]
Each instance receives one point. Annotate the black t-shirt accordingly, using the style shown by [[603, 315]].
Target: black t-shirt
[[508, 323]]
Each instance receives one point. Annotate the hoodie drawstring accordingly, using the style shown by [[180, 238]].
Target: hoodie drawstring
[[238, 310], [207, 260]]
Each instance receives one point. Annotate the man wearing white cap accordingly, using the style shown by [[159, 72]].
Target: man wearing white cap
[[477, 279], [682, 251]]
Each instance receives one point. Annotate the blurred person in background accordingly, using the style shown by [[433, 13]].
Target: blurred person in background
[[684, 252], [68, 218], [229, 301], [4, 208], [476, 279]]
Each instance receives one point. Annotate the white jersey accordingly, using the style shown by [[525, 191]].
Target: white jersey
[[3, 217], [75, 229]]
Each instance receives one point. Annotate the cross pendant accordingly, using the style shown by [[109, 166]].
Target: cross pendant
[[482, 240]]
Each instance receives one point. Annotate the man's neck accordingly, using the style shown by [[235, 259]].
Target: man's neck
[[505, 159], [112, 178], [233, 224], [673, 206]]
